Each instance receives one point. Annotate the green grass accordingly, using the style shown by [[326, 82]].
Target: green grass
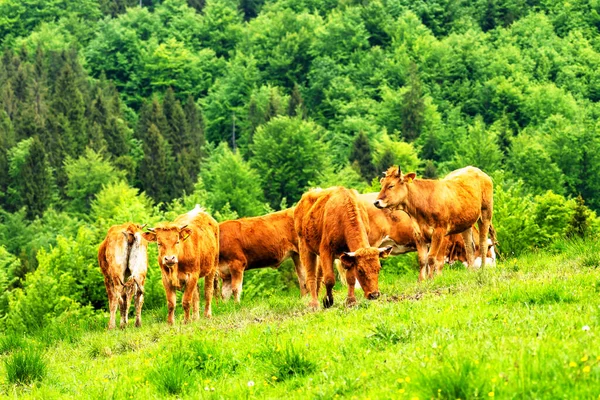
[[514, 332], [25, 367]]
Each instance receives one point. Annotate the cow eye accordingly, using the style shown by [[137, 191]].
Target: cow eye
[[178, 242], [391, 186], [159, 244]]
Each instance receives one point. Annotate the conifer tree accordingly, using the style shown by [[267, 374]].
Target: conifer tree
[[155, 168], [195, 123], [296, 104], [361, 153], [35, 180], [413, 107], [69, 101], [387, 160]]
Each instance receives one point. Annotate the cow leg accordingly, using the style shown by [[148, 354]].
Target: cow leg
[[422, 252], [441, 255], [319, 276], [351, 279], [125, 303], [300, 273], [196, 303], [309, 260], [171, 299], [139, 302], [484, 227], [236, 268], [113, 302], [469, 244], [208, 294], [188, 295], [326, 263], [437, 241]]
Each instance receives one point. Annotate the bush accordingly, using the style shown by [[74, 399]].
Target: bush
[[292, 362], [25, 367], [172, 376]]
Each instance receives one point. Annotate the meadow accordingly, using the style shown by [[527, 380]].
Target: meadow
[[525, 329]]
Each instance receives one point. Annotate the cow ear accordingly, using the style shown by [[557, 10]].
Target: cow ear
[[385, 251], [348, 260], [408, 178], [149, 236], [185, 233]]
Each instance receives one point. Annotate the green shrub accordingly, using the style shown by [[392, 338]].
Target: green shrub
[[172, 376], [456, 378], [25, 367], [291, 362], [384, 335], [10, 342]]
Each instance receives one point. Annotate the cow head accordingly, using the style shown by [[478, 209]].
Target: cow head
[[366, 266], [169, 239], [394, 188]]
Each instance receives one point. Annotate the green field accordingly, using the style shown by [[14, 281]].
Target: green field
[[525, 329]]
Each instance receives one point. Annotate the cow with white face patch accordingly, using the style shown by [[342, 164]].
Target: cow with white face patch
[[123, 259]]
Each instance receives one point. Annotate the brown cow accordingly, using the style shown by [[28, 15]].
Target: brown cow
[[395, 228], [257, 242], [123, 259], [188, 249], [442, 207], [333, 223]]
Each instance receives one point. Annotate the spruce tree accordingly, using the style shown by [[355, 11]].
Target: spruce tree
[[361, 153], [155, 168], [387, 160], [296, 104], [35, 180], [69, 101], [430, 170], [413, 107], [579, 224], [195, 122]]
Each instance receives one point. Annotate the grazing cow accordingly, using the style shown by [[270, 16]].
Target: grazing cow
[[123, 259], [258, 242], [442, 207], [188, 249], [333, 223]]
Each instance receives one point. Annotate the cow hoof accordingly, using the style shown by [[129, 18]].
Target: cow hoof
[[314, 305], [327, 302], [350, 301]]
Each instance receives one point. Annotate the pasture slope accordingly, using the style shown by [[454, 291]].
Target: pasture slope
[[527, 329]]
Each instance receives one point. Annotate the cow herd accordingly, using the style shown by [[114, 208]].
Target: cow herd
[[436, 218]]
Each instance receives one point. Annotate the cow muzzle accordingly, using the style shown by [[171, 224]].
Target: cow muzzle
[[379, 204], [170, 260], [373, 295]]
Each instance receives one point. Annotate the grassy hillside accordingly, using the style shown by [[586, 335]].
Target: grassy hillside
[[526, 329]]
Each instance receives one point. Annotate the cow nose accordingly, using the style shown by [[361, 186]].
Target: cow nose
[[374, 295], [169, 260], [378, 204]]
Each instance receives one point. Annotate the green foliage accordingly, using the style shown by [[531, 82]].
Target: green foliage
[[361, 154], [86, 177], [228, 179], [25, 367], [291, 362], [288, 154], [118, 202]]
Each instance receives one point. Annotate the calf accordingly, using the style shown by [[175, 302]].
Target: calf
[[449, 206], [333, 223], [258, 242], [123, 259], [188, 249]]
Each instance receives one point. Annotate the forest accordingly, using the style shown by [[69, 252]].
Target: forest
[[118, 110]]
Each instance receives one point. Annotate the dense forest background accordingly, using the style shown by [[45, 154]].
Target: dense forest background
[[111, 111]]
